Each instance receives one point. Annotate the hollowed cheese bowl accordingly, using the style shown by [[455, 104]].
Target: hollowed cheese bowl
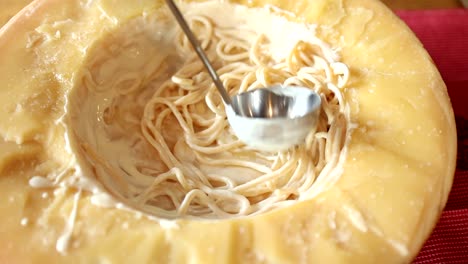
[[380, 208]]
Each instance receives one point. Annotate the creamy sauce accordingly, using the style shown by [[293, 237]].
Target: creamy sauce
[[40, 182], [65, 239]]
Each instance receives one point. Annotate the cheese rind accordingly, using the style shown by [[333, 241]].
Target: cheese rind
[[394, 184]]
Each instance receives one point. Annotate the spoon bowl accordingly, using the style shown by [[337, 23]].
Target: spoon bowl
[[276, 102], [274, 118]]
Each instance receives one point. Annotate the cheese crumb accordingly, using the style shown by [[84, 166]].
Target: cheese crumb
[[24, 221]]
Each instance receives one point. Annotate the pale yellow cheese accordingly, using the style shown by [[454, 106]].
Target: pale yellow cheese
[[394, 184], [10, 8]]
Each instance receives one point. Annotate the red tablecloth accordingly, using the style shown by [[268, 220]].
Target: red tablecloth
[[444, 34]]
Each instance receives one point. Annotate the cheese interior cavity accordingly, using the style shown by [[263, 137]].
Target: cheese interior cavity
[[105, 117]]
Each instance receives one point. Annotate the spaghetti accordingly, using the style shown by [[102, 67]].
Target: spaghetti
[[184, 160]]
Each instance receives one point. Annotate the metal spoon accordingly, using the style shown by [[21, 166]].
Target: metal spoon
[[270, 119]]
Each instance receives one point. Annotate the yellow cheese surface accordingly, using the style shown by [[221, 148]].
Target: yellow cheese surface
[[393, 187], [10, 8]]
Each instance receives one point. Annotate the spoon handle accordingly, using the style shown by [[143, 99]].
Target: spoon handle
[[199, 50]]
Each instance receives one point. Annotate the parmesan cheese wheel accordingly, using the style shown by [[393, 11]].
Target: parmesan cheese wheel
[[380, 207]]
